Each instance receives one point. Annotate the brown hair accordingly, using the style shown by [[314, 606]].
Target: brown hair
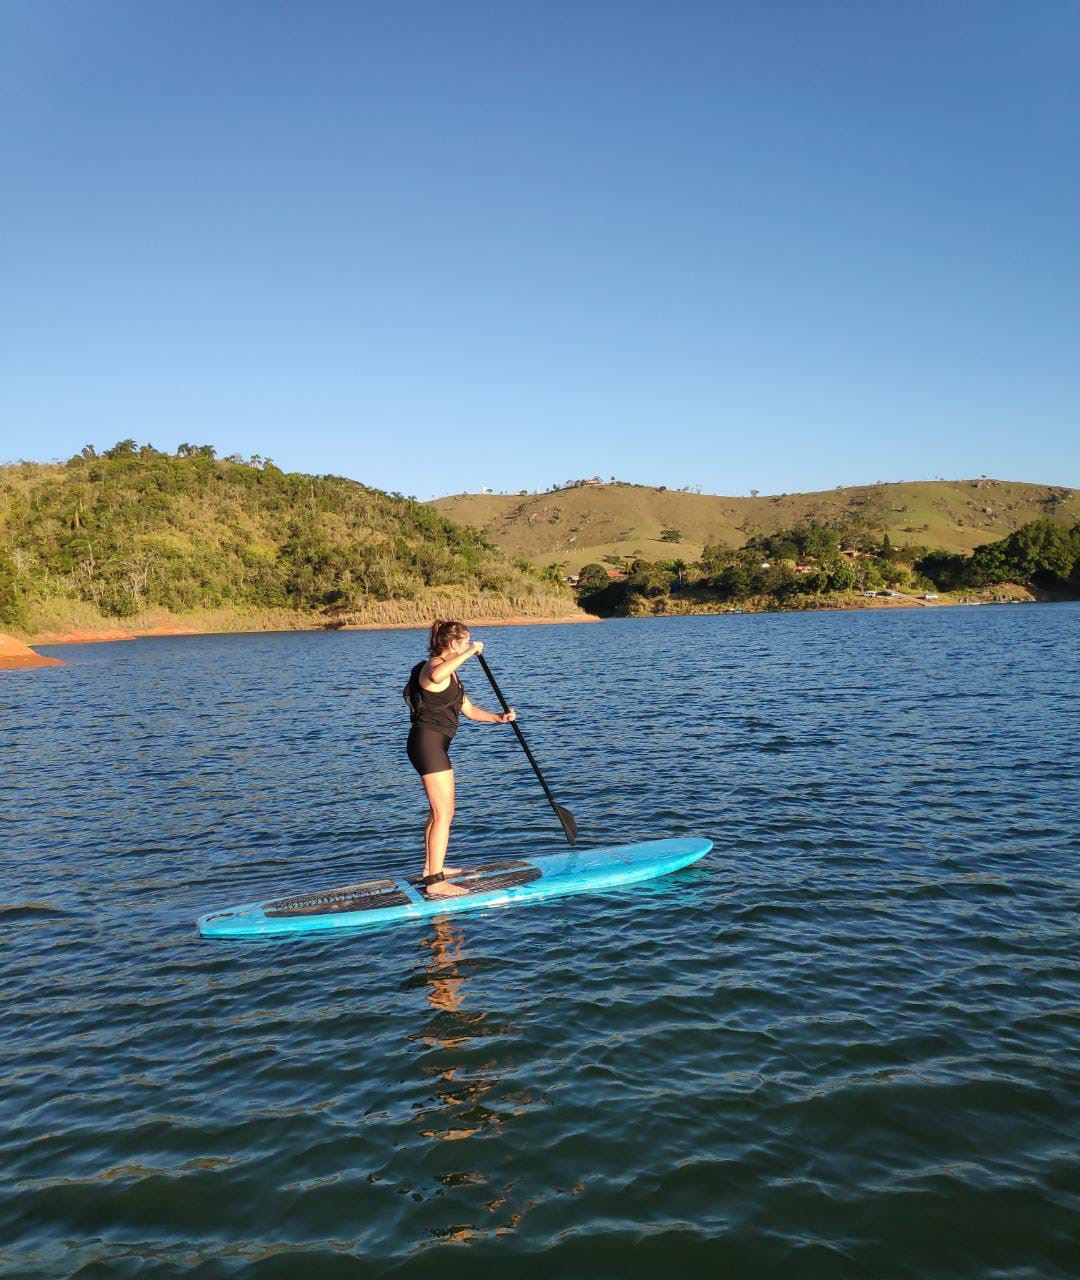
[[444, 634]]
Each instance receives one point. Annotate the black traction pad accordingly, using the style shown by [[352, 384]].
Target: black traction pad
[[488, 884], [373, 895], [367, 896], [483, 869]]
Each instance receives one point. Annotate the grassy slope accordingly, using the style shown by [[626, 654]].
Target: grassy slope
[[576, 526]]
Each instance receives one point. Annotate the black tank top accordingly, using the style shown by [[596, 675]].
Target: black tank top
[[440, 711]]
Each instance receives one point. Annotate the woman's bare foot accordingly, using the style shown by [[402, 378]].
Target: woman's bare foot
[[444, 889]]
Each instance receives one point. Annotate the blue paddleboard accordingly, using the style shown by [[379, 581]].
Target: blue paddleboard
[[488, 885]]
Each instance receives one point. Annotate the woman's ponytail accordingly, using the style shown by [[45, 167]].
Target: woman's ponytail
[[444, 633]]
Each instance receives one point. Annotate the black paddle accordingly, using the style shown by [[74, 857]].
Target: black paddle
[[564, 815]]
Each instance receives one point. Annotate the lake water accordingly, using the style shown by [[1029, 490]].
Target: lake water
[[847, 1043]]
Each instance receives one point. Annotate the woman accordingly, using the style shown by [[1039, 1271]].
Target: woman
[[442, 699]]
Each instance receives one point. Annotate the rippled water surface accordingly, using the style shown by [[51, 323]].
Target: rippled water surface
[[847, 1043]]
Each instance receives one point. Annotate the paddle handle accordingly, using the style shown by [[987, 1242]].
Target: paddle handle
[[564, 816]]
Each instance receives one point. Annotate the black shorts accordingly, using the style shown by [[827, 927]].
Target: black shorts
[[428, 750]]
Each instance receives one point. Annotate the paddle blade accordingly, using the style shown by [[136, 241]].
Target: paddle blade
[[568, 823]]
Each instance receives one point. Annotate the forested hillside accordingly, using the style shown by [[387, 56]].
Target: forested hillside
[[135, 529]]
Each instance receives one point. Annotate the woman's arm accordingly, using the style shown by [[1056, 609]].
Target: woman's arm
[[439, 670], [472, 712]]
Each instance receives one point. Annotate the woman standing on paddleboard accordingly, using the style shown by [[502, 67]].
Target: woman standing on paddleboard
[[437, 697]]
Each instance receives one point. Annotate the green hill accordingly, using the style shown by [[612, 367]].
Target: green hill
[[137, 534], [574, 526]]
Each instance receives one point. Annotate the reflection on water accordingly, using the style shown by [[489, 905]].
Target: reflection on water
[[464, 1061], [450, 1027]]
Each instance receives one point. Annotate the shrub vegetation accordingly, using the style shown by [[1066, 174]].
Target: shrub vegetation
[[800, 567]]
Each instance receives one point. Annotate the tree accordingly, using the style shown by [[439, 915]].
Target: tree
[[942, 568], [780, 576], [593, 577], [648, 579], [806, 584], [714, 558], [671, 535], [740, 576], [12, 605], [840, 576], [1040, 549], [818, 541], [868, 575]]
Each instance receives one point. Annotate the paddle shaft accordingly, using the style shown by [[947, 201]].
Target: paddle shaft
[[569, 826]]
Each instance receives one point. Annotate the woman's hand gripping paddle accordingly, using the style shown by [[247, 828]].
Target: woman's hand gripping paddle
[[564, 815]]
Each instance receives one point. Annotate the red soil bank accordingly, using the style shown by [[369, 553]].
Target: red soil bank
[[13, 654]]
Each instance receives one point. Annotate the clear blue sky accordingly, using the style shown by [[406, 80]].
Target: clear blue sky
[[441, 244]]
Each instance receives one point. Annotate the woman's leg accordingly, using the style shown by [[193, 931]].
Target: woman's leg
[[447, 871], [439, 788]]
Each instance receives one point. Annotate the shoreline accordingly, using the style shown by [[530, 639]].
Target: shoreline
[[1002, 594], [106, 635], [110, 635], [514, 620], [18, 654]]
